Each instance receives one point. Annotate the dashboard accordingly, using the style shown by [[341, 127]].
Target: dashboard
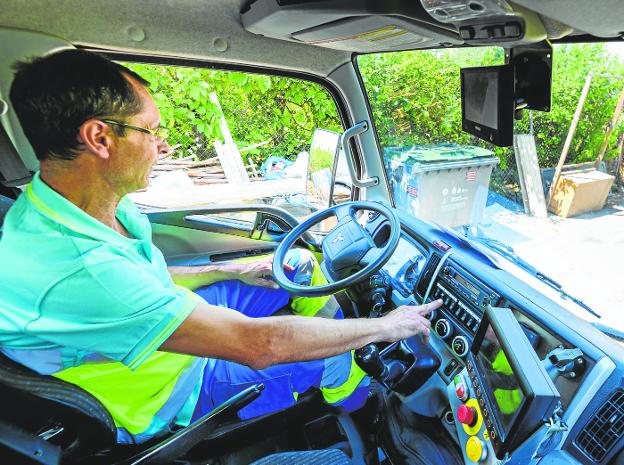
[[558, 370]]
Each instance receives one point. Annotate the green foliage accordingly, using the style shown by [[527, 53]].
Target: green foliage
[[258, 108], [416, 99]]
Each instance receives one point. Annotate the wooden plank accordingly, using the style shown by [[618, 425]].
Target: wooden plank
[[619, 169], [519, 167], [228, 153], [531, 179], [614, 119], [570, 136]]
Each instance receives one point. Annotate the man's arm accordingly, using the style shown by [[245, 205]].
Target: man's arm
[[256, 273], [217, 332]]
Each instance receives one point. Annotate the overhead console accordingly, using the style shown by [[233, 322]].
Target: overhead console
[[361, 26], [487, 21]]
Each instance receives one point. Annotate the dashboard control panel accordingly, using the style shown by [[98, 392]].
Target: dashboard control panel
[[464, 301]]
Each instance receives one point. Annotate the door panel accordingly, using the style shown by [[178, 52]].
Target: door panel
[[202, 235]]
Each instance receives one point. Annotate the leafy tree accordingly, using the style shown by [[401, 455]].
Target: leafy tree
[[258, 108], [415, 97]]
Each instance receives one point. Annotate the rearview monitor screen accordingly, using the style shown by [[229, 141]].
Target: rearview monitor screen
[[482, 98], [488, 103]]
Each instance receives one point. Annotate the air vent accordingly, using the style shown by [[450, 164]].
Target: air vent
[[426, 277], [607, 426]]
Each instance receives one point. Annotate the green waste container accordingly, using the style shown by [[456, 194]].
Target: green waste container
[[444, 183]]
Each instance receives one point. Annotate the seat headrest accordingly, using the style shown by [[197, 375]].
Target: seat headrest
[[16, 45]]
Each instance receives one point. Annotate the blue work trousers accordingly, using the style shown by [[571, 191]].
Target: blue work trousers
[[284, 382]]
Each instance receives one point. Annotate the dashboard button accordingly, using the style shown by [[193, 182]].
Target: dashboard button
[[450, 368], [461, 388], [475, 450], [467, 415]]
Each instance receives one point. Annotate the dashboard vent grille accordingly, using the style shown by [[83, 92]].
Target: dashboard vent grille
[[426, 277], [607, 426]]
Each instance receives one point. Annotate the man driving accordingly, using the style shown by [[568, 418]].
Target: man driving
[[86, 297]]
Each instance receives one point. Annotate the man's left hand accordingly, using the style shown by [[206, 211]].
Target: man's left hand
[[259, 272]]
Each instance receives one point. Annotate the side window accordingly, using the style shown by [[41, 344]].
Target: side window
[[237, 137]]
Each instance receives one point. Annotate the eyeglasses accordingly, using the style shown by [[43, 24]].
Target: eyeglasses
[[160, 133]]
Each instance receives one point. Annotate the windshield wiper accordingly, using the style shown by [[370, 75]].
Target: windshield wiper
[[509, 253], [609, 331]]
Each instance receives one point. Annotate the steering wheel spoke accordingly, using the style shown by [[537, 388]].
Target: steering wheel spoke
[[349, 252], [344, 212], [372, 256]]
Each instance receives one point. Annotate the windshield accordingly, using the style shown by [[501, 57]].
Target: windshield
[[497, 196]]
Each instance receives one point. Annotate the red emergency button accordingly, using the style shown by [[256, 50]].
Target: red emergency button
[[467, 415]]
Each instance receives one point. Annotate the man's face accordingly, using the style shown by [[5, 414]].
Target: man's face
[[136, 152]]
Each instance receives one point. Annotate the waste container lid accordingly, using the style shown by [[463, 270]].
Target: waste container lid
[[437, 153]]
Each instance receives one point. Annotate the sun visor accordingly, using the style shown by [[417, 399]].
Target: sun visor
[[349, 25]]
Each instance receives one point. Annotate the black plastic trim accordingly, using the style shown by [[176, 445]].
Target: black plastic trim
[[372, 124]]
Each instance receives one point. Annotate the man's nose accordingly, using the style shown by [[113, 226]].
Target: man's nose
[[163, 147]]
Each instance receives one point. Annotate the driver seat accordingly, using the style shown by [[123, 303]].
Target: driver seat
[[48, 421]]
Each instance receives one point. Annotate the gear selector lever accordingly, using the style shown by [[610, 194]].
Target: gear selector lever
[[370, 360]]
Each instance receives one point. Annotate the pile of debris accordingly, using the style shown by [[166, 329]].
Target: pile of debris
[[208, 171]]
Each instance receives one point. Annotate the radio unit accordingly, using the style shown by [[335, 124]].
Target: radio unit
[[463, 296], [467, 287]]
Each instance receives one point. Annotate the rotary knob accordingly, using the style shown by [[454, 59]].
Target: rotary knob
[[444, 328], [460, 346]]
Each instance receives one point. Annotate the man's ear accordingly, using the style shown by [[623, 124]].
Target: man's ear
[[97, 137]]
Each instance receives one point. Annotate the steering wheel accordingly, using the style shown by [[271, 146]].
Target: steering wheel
[[349, 251]]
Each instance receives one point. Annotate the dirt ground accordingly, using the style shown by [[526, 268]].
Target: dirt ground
[[585, 253]]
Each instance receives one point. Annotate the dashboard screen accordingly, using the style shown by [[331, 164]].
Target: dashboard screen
[[469, 287], [500, 379], [406, 265]]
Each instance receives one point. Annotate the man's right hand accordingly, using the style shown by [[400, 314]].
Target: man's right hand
[[408, 320]]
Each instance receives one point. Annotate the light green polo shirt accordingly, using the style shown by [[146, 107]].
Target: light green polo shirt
[[83, 303]]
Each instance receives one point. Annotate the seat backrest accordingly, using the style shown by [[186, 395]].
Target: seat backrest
[[5, 204], [54, 409]]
